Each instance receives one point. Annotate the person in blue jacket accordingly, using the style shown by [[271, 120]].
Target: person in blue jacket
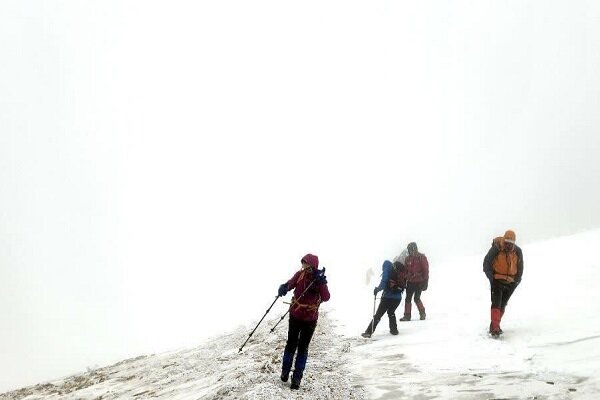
[[393, 282]]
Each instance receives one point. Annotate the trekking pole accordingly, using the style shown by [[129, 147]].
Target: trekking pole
[[295, 302], [373, 320], [252, 333]]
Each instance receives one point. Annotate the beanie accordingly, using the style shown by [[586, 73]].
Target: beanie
[[510, 237]]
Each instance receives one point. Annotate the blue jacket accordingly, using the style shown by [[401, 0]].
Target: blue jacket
[[388, 293]]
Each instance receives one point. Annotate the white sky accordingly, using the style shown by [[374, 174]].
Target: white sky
[[164, 165]]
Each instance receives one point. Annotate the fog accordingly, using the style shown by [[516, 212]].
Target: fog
[[165, 165]]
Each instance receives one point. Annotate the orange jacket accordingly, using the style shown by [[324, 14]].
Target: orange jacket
[[503, 265]]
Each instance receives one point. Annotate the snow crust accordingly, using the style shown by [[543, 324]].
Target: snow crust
[[216, 370]]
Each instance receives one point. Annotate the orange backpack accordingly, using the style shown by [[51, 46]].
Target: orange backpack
[[505, 263]]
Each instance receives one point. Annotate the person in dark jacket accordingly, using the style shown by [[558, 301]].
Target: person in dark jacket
[[417, 268], [393, 281], [310, 289], [503, 266]]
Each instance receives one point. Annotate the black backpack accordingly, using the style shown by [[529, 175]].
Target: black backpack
[[397, 280]]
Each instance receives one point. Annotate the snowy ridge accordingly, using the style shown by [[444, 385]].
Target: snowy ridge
[[215, 370]]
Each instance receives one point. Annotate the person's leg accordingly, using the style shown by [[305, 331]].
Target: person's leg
[[419, 303], [495, 311], [506, 293], [391, 312], [410, 290], [306, 333], [290, 348], [381, 309]]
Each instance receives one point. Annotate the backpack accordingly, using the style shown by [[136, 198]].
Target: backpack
[[397, 280], [498, 243], [504, 265]]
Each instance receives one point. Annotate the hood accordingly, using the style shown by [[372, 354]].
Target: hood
[[311, 260]]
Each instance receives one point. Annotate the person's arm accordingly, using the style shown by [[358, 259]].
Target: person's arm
[[425, 267], [287, 286], [519, 265], [488, 260], [324, 292], [293, 281]]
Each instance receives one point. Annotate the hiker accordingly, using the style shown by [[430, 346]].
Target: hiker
[[310, 289], [503, 266], [417, 269], [393, 282]]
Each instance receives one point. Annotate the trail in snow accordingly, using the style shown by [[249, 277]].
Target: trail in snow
[[215, 370], [391, 367]]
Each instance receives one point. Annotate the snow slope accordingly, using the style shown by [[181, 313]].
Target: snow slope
[[551, 345], [215, 370], [550, 349]]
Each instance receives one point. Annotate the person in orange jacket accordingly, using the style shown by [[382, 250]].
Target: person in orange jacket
[[503, 266], [417, 269]]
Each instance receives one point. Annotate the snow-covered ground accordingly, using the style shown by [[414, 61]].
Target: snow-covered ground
[[216, 370], [550, 348]]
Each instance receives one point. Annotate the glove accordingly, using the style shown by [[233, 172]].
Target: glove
[[375, 291], [424, 285], [320, 277], [283, 289]]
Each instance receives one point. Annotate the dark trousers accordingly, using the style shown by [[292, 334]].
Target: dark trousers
[[299, 335], [413, 289], [385, 306], [500, 293]]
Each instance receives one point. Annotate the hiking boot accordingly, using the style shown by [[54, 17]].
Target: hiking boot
[[422, 316], [365, 335], [500, 331], [405, 318], [298, 371], [285, 376], [394, 332]]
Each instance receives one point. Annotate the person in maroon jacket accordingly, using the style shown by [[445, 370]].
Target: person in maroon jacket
[[418, 277], [310, 290]]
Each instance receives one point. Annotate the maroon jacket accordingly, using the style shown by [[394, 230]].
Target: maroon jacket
[[307, 307], [417, 268]]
